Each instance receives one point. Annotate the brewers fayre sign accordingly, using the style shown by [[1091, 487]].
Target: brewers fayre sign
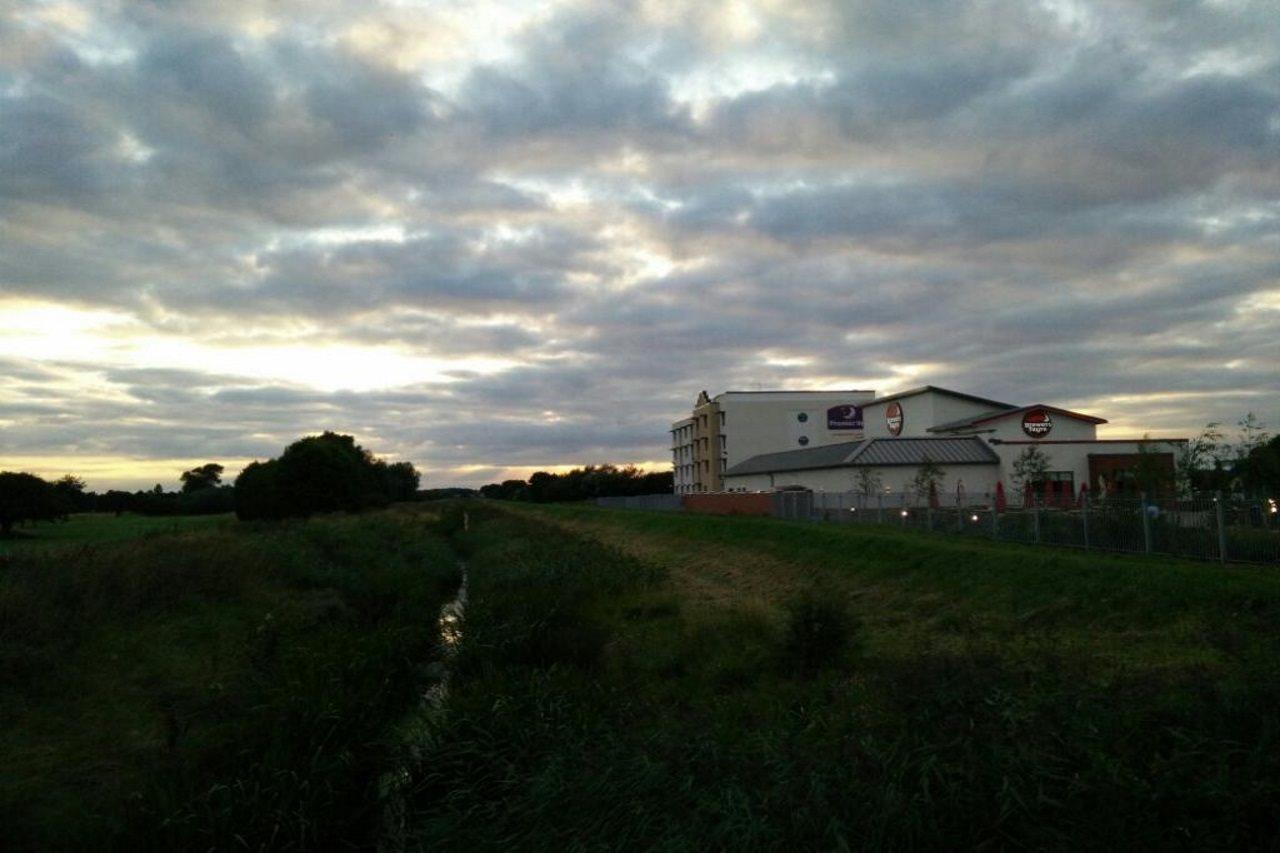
[[1037, 423], [893, 418], [844, 417]]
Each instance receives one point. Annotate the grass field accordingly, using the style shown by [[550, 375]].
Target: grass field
[[633, 680], [94, 528], [219, 688]]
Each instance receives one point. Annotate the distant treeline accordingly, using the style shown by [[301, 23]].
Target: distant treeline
[[319, 473], [593, 481], [27, 498]]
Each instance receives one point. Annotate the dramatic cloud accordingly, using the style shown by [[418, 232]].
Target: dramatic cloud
[[493, 236]]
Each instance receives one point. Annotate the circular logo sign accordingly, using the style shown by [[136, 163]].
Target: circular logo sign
[[1037, 423], [893, 417]]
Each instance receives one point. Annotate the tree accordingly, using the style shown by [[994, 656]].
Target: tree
[[866, 482], [1200, 458], [1253, 434], [69, 491], [207, 476], [399, 480], [1030, 469], [321, 473], [25, 497], [928, 480], [592, 481], [257, 492], [1260, 470]]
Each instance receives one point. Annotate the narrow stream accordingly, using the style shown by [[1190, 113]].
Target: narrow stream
[[417, 732]]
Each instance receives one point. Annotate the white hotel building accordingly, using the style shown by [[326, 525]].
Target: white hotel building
[[760, 441]]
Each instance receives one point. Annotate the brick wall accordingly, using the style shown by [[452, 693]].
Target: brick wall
[[729, 503]]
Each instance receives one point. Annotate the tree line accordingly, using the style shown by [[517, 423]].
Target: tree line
[[593, 481], [322, 473]]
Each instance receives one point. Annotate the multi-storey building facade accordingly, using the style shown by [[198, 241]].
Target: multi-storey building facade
[[736, 425], [975, 443]]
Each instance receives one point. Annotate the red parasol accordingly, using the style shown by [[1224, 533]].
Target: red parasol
[[1000, 501]]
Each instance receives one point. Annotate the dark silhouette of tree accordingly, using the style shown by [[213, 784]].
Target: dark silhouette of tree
[[321, 473], [26, 497], [592, 481], [207, 476], [399, 480], [70, 493], [1260, 470]]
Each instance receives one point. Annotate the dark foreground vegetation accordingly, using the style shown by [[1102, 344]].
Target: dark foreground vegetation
[[633, 680], [224, 688]]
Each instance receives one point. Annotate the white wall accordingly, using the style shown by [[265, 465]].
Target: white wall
[[1070, 457], [1064, 429], [977, 479], [769, 422], [919, 413]]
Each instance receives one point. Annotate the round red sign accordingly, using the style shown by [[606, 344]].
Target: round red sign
[[1037, 423], [893, 417]]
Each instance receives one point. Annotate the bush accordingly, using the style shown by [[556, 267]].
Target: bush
[[321, 473], [819, 631]]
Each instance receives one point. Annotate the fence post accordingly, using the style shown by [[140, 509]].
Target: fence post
[[995, 519], [1221, 515], [1146, 524], [879, 507], [1084, 518], [928, 516], [1035, 518]]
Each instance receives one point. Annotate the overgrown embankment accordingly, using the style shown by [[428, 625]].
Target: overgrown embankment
[[862, 688], [213, 689]]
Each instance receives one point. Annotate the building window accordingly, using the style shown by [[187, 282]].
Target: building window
[[1057, 486], [804, 439], [803, 417]]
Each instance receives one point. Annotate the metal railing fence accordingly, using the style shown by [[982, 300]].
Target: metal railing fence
[[1203, 527]]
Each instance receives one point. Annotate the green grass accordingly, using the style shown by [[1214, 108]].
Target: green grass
[[637, 680], [224, 687], [96, 528]]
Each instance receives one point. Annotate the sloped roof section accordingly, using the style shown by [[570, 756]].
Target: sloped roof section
[[826, 456], [968, 422], [987, 417], [871, 453], [915, 451], [934, 389]]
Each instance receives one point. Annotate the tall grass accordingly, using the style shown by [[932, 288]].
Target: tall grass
[[600, 707], [218, 689]]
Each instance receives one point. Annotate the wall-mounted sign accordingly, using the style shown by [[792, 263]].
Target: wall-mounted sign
[[1037, 423], [844, 417], [893, 418]]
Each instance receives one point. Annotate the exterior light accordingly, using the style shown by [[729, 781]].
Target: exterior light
[[904, 513], [974, 517]]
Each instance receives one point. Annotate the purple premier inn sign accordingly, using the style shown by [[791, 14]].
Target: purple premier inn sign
[[844, 417]]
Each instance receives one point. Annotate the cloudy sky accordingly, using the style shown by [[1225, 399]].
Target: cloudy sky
[[492, 237]]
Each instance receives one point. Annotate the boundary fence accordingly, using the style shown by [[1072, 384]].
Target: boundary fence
[[1206, 527]]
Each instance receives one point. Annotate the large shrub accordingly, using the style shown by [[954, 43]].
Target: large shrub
[[321, 473]]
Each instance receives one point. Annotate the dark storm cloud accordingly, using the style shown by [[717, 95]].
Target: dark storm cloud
[[629, 203]]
